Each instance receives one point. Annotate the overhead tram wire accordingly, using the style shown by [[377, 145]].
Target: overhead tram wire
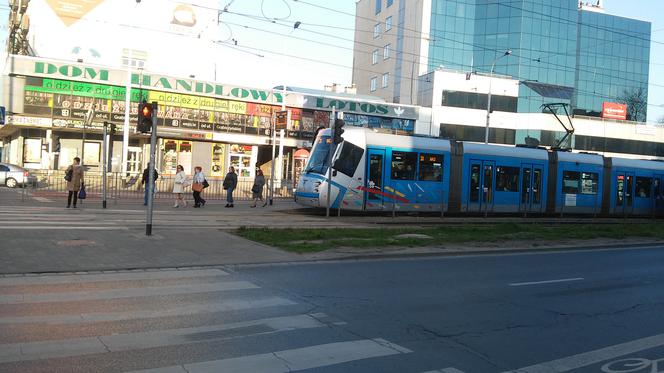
[[515, 55]]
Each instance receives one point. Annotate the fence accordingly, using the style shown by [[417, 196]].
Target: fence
[[52, 181]]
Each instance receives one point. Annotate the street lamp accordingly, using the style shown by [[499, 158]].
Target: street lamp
[[488, 98]]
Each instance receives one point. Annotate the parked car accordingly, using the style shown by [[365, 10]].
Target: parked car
[[13, 176]]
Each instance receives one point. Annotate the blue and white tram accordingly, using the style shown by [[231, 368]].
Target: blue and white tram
[[381, 172], [376, 171]]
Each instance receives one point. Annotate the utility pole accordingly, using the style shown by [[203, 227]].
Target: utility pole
[[330, 152], [103, 167], [151, 168]]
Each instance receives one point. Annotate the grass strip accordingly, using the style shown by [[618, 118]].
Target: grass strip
[[315, 240]]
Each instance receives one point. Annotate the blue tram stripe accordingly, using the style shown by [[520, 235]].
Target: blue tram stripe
[[307, 195]]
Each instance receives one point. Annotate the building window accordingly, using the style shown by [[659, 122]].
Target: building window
[[373, 84], [386, 80], [374, 57], [389, 2], [378, 4], [388, 23], [376, 32], [471, 100], [386, 51]]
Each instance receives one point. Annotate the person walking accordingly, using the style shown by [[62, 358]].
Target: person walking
[[230, 183], [257, 188], [145, 181], [74, 176], [197, 186], [179, 184]]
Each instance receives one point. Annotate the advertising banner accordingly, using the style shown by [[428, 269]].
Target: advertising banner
[[614, 110]]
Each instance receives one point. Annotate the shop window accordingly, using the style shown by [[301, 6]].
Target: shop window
[[404, 165], [32, 149], [507, 179], [643, 187], [431, 167], [218, 151], [348, 159], [176, 152], [91, 153], [240, 159]]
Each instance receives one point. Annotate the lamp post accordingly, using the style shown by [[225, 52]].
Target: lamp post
[[488, 99]]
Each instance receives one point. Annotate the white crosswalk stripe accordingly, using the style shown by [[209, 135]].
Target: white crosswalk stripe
[[139, 320]]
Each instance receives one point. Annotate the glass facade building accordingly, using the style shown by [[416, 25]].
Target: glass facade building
[[563, 53], [612, 61]]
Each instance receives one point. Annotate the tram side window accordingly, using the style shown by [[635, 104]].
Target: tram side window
[[404, 165], [643, 186], [571, 182], [348, 159], [507, 179], [431, 167], [589, 182]]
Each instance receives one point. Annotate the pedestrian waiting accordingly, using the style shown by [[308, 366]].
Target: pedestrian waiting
[[146, 182], [74, 176], [181, 182], [230, 183]]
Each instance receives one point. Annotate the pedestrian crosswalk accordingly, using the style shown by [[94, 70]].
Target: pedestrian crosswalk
[[175, 320]]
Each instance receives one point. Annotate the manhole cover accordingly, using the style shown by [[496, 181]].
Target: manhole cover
[[75, 243]]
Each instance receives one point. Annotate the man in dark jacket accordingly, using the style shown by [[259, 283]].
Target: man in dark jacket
[[230, 183], [145, 181]]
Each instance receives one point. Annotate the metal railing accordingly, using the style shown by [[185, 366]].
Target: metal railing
[[52, 181]]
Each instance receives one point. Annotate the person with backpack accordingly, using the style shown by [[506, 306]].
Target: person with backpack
[[230, 183], [145, 181], [74, 176]]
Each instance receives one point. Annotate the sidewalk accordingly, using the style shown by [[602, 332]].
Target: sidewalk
[[42, 236]]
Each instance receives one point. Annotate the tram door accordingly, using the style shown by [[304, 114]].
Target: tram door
[[373, 195], [624, 193], [480, 184], [531, 188], [658, 194]]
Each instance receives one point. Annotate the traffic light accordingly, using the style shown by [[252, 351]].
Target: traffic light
[[57, 147], [144, 123], [338, 131]]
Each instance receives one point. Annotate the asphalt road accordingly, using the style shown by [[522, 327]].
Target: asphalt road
[[540, 312]]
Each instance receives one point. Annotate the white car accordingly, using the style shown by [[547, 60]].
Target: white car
[[13, 176]]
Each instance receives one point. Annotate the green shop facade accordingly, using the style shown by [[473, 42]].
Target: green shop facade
[[200, 123]]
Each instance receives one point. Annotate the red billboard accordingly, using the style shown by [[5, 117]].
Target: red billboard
[[613, 110]]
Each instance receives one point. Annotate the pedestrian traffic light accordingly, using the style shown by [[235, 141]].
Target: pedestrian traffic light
[[57, 147], [338, 131], [144, 123]]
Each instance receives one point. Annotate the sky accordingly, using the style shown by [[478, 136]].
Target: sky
[[257, 45]]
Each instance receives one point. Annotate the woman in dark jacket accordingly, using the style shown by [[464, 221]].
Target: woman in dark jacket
[[230, 183], [257, 188]]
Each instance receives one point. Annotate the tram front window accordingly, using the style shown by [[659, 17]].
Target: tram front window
[[319, 160]]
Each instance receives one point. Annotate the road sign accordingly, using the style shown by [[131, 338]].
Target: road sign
[[282, 120], [2, 115]]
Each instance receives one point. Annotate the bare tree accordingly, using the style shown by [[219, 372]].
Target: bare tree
[[636, 100]]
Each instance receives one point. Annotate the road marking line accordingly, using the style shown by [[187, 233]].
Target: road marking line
[[546, 281], [55, 279], [43, 199], [573, 362], [194, 309], [125, 293], [289, 360], [445, 370], [67, 227], [13, 352]]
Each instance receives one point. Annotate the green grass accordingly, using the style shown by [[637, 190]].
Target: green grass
[[314, 240]]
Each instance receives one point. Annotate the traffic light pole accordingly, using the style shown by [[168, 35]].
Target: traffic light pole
[[103, 168], [151, 168], [329, 163]]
